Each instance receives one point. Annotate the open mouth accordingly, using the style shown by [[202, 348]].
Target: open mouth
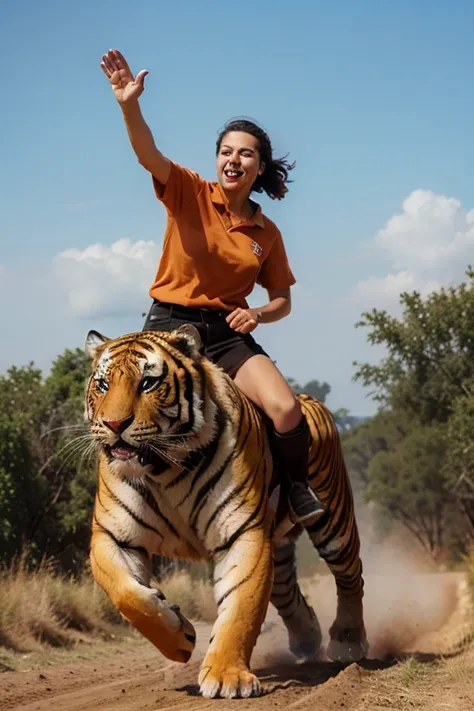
[[122, 451], [232, 175]]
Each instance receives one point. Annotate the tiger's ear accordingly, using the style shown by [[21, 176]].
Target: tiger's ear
[[95, 341], [186, 339]]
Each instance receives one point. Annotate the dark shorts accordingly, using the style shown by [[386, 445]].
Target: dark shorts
[[220, 343]]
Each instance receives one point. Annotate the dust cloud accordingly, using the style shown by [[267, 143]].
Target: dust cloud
[[406, 599]]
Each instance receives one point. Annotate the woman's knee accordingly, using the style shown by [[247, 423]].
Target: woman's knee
[[285, 412]]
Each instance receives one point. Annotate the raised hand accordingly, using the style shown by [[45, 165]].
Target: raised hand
[[125, 86]]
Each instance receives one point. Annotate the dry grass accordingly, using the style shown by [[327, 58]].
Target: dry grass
[[42, 607], [440, 685], [194, 595]]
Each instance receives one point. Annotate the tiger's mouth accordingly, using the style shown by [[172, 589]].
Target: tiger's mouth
[[121, 451]]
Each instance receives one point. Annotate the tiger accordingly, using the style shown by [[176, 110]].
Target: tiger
[[185, 470]]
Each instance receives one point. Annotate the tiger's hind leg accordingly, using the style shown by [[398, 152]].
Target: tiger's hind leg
[[340, 550], [335, 534], [304, 632]]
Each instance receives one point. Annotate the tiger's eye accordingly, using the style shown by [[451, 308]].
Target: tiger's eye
[[149, 383], [101, 385]]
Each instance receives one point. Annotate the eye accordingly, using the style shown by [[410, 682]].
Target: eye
[[101, 385], [149, 383]]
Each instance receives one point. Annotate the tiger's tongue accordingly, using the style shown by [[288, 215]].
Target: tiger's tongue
[[122, 453]]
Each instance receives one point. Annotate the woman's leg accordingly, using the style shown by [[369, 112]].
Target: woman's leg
[[263, 383]]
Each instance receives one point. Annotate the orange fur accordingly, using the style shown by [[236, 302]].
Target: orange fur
[[204, 497]]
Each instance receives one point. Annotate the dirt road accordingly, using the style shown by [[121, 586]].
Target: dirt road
[[139, 679]]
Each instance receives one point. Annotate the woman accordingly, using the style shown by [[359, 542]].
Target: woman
[[217, 246]]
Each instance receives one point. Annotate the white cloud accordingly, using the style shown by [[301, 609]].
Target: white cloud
[[106, 280], [429, 245]]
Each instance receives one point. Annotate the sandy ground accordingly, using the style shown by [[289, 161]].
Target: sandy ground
[[423, 614]]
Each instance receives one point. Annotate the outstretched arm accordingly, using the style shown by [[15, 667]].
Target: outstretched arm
[[127, 90]]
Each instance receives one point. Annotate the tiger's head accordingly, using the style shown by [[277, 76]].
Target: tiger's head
[[147, 395]]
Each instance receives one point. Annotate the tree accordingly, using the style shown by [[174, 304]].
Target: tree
[[430, 350], [313, 387], [425, 381], [460, 454], [399, 465], [46, 484], [408, 481]]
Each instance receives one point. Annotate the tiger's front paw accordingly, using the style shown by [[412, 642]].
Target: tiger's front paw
[[226, 681]]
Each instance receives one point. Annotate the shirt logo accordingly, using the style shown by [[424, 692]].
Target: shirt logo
[[257, 249]]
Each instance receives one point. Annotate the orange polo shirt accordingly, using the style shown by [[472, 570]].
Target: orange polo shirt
[[206, 262]]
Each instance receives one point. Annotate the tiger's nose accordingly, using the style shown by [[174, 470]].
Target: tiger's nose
[[118, 426]]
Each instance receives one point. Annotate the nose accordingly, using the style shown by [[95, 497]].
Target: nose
[[118, 426]]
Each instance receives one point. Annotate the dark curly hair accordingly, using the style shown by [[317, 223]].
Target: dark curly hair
[[274, 179]]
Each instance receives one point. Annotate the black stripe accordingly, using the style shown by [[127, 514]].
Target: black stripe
[[234, 588], [146, 346], [188, 464], [188, 426], [287, 605], [286, 581], [124, 545], [225, 503], [148, 497], [204, 491], [283, 561], [280, 595], [248, 525], [136, 518]]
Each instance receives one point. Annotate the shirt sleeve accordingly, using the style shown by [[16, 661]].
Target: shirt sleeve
[[275, 272], [183, 187]]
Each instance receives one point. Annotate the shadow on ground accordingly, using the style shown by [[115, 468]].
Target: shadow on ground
[[286, 674]]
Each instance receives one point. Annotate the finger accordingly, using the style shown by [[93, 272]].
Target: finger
[[246, 328], [236, 322], [121, 60], [140, 78], [232, 320], [232, 315], [105, 70], [114, 61], [108, 64]]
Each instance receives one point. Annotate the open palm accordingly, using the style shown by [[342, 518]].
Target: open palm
[[125, 86]]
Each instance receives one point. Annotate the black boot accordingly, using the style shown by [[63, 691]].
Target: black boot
[[292, 450]]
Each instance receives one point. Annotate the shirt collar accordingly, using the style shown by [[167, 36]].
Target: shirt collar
[[219, 197]]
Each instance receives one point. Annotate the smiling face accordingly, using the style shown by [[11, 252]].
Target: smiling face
[[238, 163]]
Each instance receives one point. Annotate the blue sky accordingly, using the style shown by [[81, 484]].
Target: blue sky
[[374, 101]]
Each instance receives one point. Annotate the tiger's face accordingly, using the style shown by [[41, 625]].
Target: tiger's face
[[145, 395]]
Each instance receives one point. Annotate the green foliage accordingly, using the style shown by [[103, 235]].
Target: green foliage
[[46, 485], [460, 454], [416, 457], [313, 388], [320, 391], [408, 482], [430, 352]]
